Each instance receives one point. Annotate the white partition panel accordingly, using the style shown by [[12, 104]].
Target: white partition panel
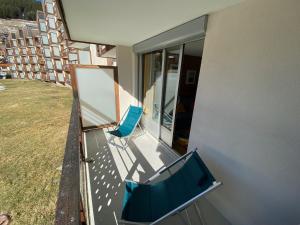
[[97, 95]]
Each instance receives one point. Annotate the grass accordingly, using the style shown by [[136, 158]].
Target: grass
[[34, 118]]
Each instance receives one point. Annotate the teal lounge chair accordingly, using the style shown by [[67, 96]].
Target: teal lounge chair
[[150, 203], [130, 120]]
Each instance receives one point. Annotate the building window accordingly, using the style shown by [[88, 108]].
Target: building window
[[10, 52], [58, 64], [47, 52], [45, 39], [51, 23], [56, 51], [43, 26], [24, 51], [53, 37], [72, 58], [30, 41], [49, 64], [32, 51], [49, 8]]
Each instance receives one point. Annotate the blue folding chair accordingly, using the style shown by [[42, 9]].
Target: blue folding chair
[[126, 127], [150, 202]]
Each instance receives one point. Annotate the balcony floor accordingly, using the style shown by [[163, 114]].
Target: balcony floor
[[112, 165]]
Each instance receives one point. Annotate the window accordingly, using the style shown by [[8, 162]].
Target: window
[[56, 51], [21, 33], [26, 60], [30, 41], [47, 52], [72, 58], [24, 51], [43, 26], [52, 76], [45, 39], [18, 60], [53, 37], [49, 64], [11, 60], [61, 77], [32, 51], [17, 51], [21, 42], [58, 64], [10, 52], [13, 35], [51, 23], [49, 8], [34, 59]]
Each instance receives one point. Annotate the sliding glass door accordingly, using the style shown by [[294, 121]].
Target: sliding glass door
[[161, 72], [170, 89]]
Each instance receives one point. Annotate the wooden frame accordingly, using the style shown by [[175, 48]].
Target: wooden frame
[[116, 90]]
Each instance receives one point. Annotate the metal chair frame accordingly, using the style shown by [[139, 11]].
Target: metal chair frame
[[182, 207], [127, 138]]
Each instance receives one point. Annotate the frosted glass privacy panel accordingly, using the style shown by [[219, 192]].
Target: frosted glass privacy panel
[[96, 90]]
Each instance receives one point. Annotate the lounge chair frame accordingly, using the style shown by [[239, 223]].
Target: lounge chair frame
[[181, 207], [126, 138]]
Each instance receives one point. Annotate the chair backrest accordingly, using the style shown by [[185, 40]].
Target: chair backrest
[[131, 120]]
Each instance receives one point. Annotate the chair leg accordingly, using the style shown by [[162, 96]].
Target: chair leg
[[143, 132], [199, 214], [187, 217]]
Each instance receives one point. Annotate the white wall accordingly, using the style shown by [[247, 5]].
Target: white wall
[[125, 63], [95, 59], [247, 112]]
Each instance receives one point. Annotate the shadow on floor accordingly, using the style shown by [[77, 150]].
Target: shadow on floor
[[113, 164]]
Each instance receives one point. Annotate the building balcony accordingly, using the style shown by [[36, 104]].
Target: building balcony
[[103, 177], [99, 165], [66, 68], [58, 23], [41, 61]]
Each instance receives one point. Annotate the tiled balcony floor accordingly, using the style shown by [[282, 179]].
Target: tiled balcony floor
[[113, 164]]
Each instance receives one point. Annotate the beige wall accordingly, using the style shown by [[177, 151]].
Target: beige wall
[[125, 62], [247, 112]]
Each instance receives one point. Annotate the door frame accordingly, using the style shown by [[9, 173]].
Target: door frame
[[164, 132]]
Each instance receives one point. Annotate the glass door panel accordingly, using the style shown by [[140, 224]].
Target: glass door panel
[[152, 91], [171, 80]]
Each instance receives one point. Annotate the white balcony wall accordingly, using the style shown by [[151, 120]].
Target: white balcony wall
[[246, 117], [125, 63], [84, 57], [94, 58]]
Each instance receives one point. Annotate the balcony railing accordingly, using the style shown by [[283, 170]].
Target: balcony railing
[[68, 203]]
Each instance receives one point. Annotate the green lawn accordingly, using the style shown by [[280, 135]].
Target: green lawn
[[34, 118]]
